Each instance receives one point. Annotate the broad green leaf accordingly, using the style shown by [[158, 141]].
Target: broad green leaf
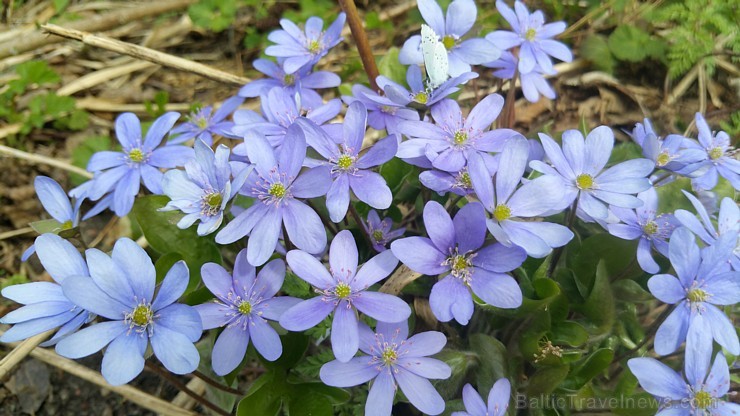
[[546, 380], [595, 49], [595, 364], [568, 332], [599, 306], [265, 397], [294, 346], [493, 360], [391, 67], [629, 43], [395, 172], [630, 291]]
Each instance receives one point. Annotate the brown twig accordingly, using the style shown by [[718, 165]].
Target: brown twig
[[399, 279], [363, 46], [147, 54], [216, 384]]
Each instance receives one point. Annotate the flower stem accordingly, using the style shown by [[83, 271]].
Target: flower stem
[[649, 334], [216, 384], [363, 45], [328, 224], [360, 225], [570, 220], [182, 387], [508, 114]]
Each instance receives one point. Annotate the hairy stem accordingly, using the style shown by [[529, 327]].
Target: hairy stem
[[363, 45]]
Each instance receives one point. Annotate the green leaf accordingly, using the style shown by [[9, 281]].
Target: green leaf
[[84, 151], [391, 67], [493, 360], [546, 379], [630, 291], [36, 72], [165, 237], [294, 346], [628, 43], [215, 15], [395, 172], [46, 226], [596, 363], [599, 306], [595, 49], [305, 402], [569, 332], [265, 397], [296, 287]]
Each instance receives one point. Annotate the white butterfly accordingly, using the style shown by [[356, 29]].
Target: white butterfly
[[435, 57]]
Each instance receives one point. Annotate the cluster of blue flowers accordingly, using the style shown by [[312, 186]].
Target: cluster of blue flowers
[[289, 153]]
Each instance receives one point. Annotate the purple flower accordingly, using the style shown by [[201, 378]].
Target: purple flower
[[380, 231], [393, 360], [57, 204], [460, 19], [533, 82], [498, 400], [204, 188], [675, 153], [281, 110], [302, 82], [46, 306], [276, 182], [703, 282], [121, 288], [243, 305], [700, 394], [348, 168], [449, 143], [420, 94], [532, 36], [442, 182], [304, 47], [383, 113], [728, 222], [202, 125], [580, 166], [454, 247], [122, 172], [643, 223], [343, 290], [511, 204], [720, 157]]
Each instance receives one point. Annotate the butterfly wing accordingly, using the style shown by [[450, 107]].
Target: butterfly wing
[[435, 57]]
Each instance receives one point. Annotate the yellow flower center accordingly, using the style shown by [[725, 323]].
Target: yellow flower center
[[344, 162], [245, 308], [716, 153], [214, 200], [314, 46], [703, 400], [378, 235], [342, 291], [460, 137], [421, 97], [202, 123], [389, 356], [465, 180], [663, 159], [277, 190], [502, 212], [531, 33], [650, 228], [449, 42], [67, 225], [289, 79], [584, 181], [142, 315], [697, 295], [136, 155]]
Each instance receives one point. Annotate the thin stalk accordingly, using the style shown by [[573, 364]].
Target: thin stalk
[[649, 334], [182, 387], [286, 240], [570, 220], [363, 45], [216, 384], [359, 222], [508, 114]]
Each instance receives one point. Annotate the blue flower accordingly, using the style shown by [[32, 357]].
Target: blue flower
[[280, 111], [700, 394], [510, 204], [675, 153], [57, 204], [380, 232], [343, 290], [301, 48], [302, 82], [720, 159], [703, 283], [204, 188], [122, 172], [121, 289], [383, 113], [350, 170], [498, 400], [442, 182], [456, 247], [449, 143], [393, 360], [420, 94], [580, 166], [277, 183], [47, 307], [460, 19], [533, 82], [533, 37], [244, 302], [643, 223], [202, 125]]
